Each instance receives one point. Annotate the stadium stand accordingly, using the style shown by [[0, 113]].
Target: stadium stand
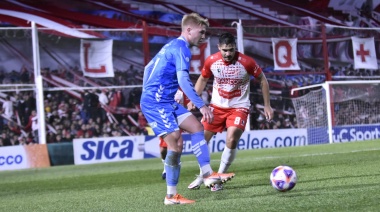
[[73, 113]]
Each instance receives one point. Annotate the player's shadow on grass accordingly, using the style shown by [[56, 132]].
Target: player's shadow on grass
[[295, 193], [337, 177], [322, 191], [262, 182], [265, 182]]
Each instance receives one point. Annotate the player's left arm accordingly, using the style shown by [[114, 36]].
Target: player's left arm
[[188, 89], [255, 70], [268, 111]]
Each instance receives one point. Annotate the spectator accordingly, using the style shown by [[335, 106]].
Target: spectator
[[58, 138], [141, 120], [67, 138], [7, 109], [22, 140], [21, 108], [24, 76], [6, 140], [116, 98], [33, 125], [14, 139], [103, 100], [13, 127], [30, 103], [90, 105], [130, 75], [62, 110], [50, 137], [134, 98]]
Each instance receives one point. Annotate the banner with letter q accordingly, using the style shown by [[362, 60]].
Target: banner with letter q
[[285, 54]]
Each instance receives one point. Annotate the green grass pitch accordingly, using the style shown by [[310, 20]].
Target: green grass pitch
[[331, 177]]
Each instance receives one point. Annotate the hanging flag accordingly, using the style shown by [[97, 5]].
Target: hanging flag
[[199, 55], [285, 54], [364, 53], [96, 58]]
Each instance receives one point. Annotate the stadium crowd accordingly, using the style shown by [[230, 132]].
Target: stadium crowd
[[116, 112]]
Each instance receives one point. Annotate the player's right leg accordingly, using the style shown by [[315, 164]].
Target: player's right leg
[[163, 152], [161, 118], [210, 180], [235, 123], [172, 166], [198, 181], [201, 151], [218, 125], [188, 122], [196, 184], [217, 178]]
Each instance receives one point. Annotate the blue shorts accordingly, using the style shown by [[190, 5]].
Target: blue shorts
[[163, 118]]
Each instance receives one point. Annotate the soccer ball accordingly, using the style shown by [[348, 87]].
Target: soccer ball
[[283, 178]]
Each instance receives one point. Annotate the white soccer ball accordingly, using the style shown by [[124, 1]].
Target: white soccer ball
[[283, 178]]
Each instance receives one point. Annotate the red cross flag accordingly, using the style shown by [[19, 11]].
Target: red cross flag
[[96, 58], [285, 54], [364, 53]]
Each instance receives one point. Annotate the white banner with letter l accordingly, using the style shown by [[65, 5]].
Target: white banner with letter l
[[285, 54], [364, 53], [96, 58]]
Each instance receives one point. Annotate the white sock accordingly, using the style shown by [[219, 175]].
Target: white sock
[[171, 190], [206, 170], [163, 161], [228, 156]]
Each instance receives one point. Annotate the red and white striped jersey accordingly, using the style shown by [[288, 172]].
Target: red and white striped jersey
[[231, 85]]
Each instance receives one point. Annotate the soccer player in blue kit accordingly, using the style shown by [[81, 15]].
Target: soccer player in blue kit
[[168, 70]]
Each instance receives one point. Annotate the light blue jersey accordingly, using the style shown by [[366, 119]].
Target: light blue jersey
[[162, 77]]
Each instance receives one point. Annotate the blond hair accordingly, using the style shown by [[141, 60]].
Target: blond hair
[[194, 19]]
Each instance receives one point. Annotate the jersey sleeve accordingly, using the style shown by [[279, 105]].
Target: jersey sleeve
[[206, 70], [188, 88], [182, 57], [253, 68]]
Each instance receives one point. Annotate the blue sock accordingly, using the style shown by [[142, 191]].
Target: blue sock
[[173, 167], [200, 148]]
